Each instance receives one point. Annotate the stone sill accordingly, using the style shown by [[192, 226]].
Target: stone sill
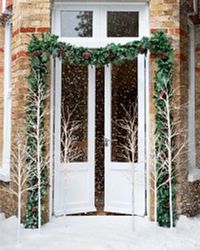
[[194, 175], [4, 175]]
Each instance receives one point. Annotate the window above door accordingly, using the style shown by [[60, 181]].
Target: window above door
[[97, 24]]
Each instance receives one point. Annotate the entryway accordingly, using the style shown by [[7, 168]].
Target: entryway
[[91, 170]]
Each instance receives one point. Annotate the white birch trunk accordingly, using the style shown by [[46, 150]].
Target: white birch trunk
[[18, 178], [38, 154], [19, 219], [133, 196], [170, 161], [155, 199], [19, 174]]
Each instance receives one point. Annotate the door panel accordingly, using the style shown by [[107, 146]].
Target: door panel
[[124, 91], [74, 141]]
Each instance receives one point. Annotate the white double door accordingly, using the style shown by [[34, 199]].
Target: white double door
[[74, 182]]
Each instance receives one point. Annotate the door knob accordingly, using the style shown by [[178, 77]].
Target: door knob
[[106, 142]]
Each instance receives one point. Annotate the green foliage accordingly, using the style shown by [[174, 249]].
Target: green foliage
[[38, 74], [40, 51], [161, 46]]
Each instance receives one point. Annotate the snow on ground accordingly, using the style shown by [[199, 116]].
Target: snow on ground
[[102, 233]]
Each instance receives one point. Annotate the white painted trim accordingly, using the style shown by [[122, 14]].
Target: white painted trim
[[194, 175], [194, 12], [147, 118], [5, 170], [148, 136], [107, 131], [57, 130], [86, 3], [191, 110], [3, 6], [141, 110], [91, 129], [195, 4], [52, 119], [194, 172]]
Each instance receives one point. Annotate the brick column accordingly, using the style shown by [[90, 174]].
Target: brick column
[[29, 17], [165, 15], [173, 17]]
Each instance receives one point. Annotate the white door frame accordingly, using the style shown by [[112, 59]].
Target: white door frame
[[83, 171], [115, 169], [144, 30]]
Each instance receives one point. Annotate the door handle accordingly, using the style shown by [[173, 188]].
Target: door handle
[[106, 142]]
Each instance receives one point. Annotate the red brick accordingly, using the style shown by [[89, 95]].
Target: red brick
[[19, 54], [153, 30], [8, 3], [27, 29], [197, 69], [15, 33], [43, 29]]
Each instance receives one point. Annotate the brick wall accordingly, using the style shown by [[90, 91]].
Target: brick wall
[[34, 17], [164, 14], [172, 16], [8, 3], [29, 17]]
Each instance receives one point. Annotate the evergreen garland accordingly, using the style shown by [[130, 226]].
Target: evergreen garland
[[38, 74], [40, 51], [164, 71]]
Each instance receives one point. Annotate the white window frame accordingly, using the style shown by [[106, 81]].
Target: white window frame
[[5, 168], [194, 172], [60, 5], [99, 20]]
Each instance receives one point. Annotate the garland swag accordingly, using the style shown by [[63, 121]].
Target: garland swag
[[40, 50]]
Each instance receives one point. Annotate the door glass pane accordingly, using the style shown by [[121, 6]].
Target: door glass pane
[[74, 121], [124, 112], [122, 24], [76, 23], [99, 147]]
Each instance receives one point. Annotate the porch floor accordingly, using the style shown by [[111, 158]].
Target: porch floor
[[102, 233]]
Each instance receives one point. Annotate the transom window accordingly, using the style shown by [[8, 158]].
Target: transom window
[[97, 24]]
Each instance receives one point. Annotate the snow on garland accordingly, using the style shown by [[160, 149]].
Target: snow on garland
[[40, 51]]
